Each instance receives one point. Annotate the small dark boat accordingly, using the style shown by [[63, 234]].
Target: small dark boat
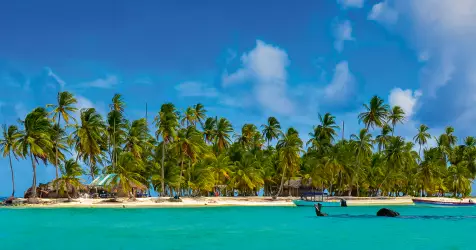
[[423, 202]]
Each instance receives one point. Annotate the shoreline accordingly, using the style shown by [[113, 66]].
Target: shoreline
[[154, 202]]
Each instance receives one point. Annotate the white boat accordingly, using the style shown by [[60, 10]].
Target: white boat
[[310, 199]]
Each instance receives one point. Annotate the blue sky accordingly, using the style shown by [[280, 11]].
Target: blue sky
[[245, 60]]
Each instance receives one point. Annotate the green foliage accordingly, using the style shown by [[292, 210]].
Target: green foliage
[[192, 154]]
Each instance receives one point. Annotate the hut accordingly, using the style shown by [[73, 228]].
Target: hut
[[48, 190], [297, 186], [103, 187]]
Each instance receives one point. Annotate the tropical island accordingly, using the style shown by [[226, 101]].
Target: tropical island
[[188, 154]]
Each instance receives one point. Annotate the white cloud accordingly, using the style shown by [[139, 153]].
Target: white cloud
[[55, 77], [235, 101], [190, 89], [265, 67], [341, 85], [445, 30], [83, 102], [342, 33], [351, 3], [105, 83], [240, 76], [383, 13], [406, 99]]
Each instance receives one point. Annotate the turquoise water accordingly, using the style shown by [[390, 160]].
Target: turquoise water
[[247, 228]]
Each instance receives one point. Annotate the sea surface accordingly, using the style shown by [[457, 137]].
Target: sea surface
[[290, 228]]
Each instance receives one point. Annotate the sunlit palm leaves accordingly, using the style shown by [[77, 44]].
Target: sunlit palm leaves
[[35, 140], [375, 114], [89, 140], [8, 146]]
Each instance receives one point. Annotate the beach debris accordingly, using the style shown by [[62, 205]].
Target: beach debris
[[387, 213], [318, 207], [175, 199]]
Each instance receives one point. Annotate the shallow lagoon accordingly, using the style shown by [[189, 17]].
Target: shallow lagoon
[[236, 228]]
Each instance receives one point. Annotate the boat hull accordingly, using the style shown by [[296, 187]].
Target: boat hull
[[442, 203], [303, 203]]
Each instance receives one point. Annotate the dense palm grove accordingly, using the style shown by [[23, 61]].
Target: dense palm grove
[[191, 154]]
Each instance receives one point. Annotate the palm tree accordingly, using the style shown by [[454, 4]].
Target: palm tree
[[127, 173], [459, 179], [247, 174], [396, 115], [88, 137], [248, 133], [422, 136], [200, 113], [71, 171], [116, 125], [363, 150], [188, 143], [222, 134], [8, 144], [63, 108], [137, 138], [375, 114], [289, 148], [209, 129], [449, 139], [221, 168], [271, 130], [60, 144], [395, 156], [327, 128], [383, 139], [35, 141], [189, 117], [167, 123]]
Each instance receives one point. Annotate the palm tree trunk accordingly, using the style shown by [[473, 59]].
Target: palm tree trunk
[[393, 128], [189, 173], [56, 154], [114, 146], [289, 186], [13, 176], [163, 168], [349, 192], [67, 193], [91, 167], [33, 186], [282, 182], [56, 149], [181, 173]]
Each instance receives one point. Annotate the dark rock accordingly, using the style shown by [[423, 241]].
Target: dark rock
[[9, 201], [387, 213], [343, 203]]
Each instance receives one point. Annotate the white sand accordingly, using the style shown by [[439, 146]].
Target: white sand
[[216, 201]]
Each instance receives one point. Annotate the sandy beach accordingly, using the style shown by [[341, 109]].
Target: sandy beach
[[211, 201]]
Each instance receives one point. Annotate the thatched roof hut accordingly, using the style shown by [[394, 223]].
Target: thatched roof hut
[[296, 186], [104, 183]]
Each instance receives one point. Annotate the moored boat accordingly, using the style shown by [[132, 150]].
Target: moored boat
[[423, 202], [310, 199]]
